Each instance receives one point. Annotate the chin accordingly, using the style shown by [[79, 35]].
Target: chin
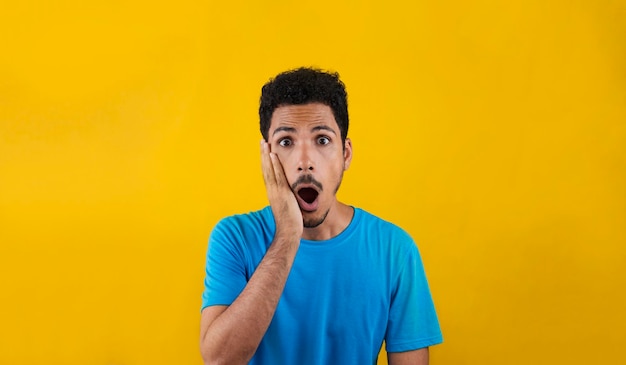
[[314, 221]]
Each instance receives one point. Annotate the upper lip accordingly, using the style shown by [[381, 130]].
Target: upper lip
[[312, 186], [307, 181]]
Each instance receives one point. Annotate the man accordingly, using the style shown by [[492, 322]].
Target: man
[[311, 280]]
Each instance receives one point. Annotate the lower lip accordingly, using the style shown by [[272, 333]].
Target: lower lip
[[307, 207]]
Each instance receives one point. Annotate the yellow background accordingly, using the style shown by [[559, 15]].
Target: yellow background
[[493, 131]]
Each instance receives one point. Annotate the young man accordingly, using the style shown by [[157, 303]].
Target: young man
[[311, 280]]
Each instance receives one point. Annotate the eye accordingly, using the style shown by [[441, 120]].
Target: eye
[[285, 142], [323, 140]]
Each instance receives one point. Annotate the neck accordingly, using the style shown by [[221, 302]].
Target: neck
[[337, 220]]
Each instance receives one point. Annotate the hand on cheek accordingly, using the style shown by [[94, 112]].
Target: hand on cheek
[[284, 205]]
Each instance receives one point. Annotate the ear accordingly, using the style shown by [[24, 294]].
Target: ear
[[347, 154]]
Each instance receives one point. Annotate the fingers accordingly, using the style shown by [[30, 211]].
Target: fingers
[[273, 172], [279, 173], [281, 198], [266, 164]]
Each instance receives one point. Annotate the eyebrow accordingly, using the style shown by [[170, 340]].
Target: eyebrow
[[284, 129], [314, 129], [323, 128]]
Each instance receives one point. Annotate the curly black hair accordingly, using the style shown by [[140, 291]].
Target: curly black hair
[[303, 86]]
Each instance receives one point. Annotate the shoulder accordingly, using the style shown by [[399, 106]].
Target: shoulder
[[253, 217], [252, 223], [383, 229], [391, 244]]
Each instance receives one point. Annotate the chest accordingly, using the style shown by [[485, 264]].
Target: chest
[[338, 293]]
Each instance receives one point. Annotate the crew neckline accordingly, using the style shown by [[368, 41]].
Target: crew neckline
[[338, 238], [356, 217]]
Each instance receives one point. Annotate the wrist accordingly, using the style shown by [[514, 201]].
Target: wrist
[[288, 234]]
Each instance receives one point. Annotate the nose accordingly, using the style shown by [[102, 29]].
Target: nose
[[305, 160]]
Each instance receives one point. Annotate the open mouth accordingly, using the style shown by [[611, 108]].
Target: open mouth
[[307, 199], [308, 195]]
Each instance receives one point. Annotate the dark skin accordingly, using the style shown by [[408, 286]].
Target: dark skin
[[303, 140]]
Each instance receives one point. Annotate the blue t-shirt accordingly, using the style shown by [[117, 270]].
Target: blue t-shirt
[[343, 296]]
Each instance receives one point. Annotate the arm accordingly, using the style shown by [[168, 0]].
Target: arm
[[413, 325], [231, 334], [415, 357]]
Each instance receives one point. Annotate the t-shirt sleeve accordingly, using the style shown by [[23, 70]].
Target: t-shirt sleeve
[[413, 322], [225, 276]]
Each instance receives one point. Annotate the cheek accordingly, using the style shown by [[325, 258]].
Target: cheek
[[291, 178], [288, 163], [333, 175], [290, 166]]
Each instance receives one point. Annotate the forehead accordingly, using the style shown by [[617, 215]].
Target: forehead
[[298, 116]]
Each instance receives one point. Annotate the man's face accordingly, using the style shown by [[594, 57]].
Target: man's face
[[308, 143]]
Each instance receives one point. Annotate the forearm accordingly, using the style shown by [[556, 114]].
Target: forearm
[[233, 337]]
